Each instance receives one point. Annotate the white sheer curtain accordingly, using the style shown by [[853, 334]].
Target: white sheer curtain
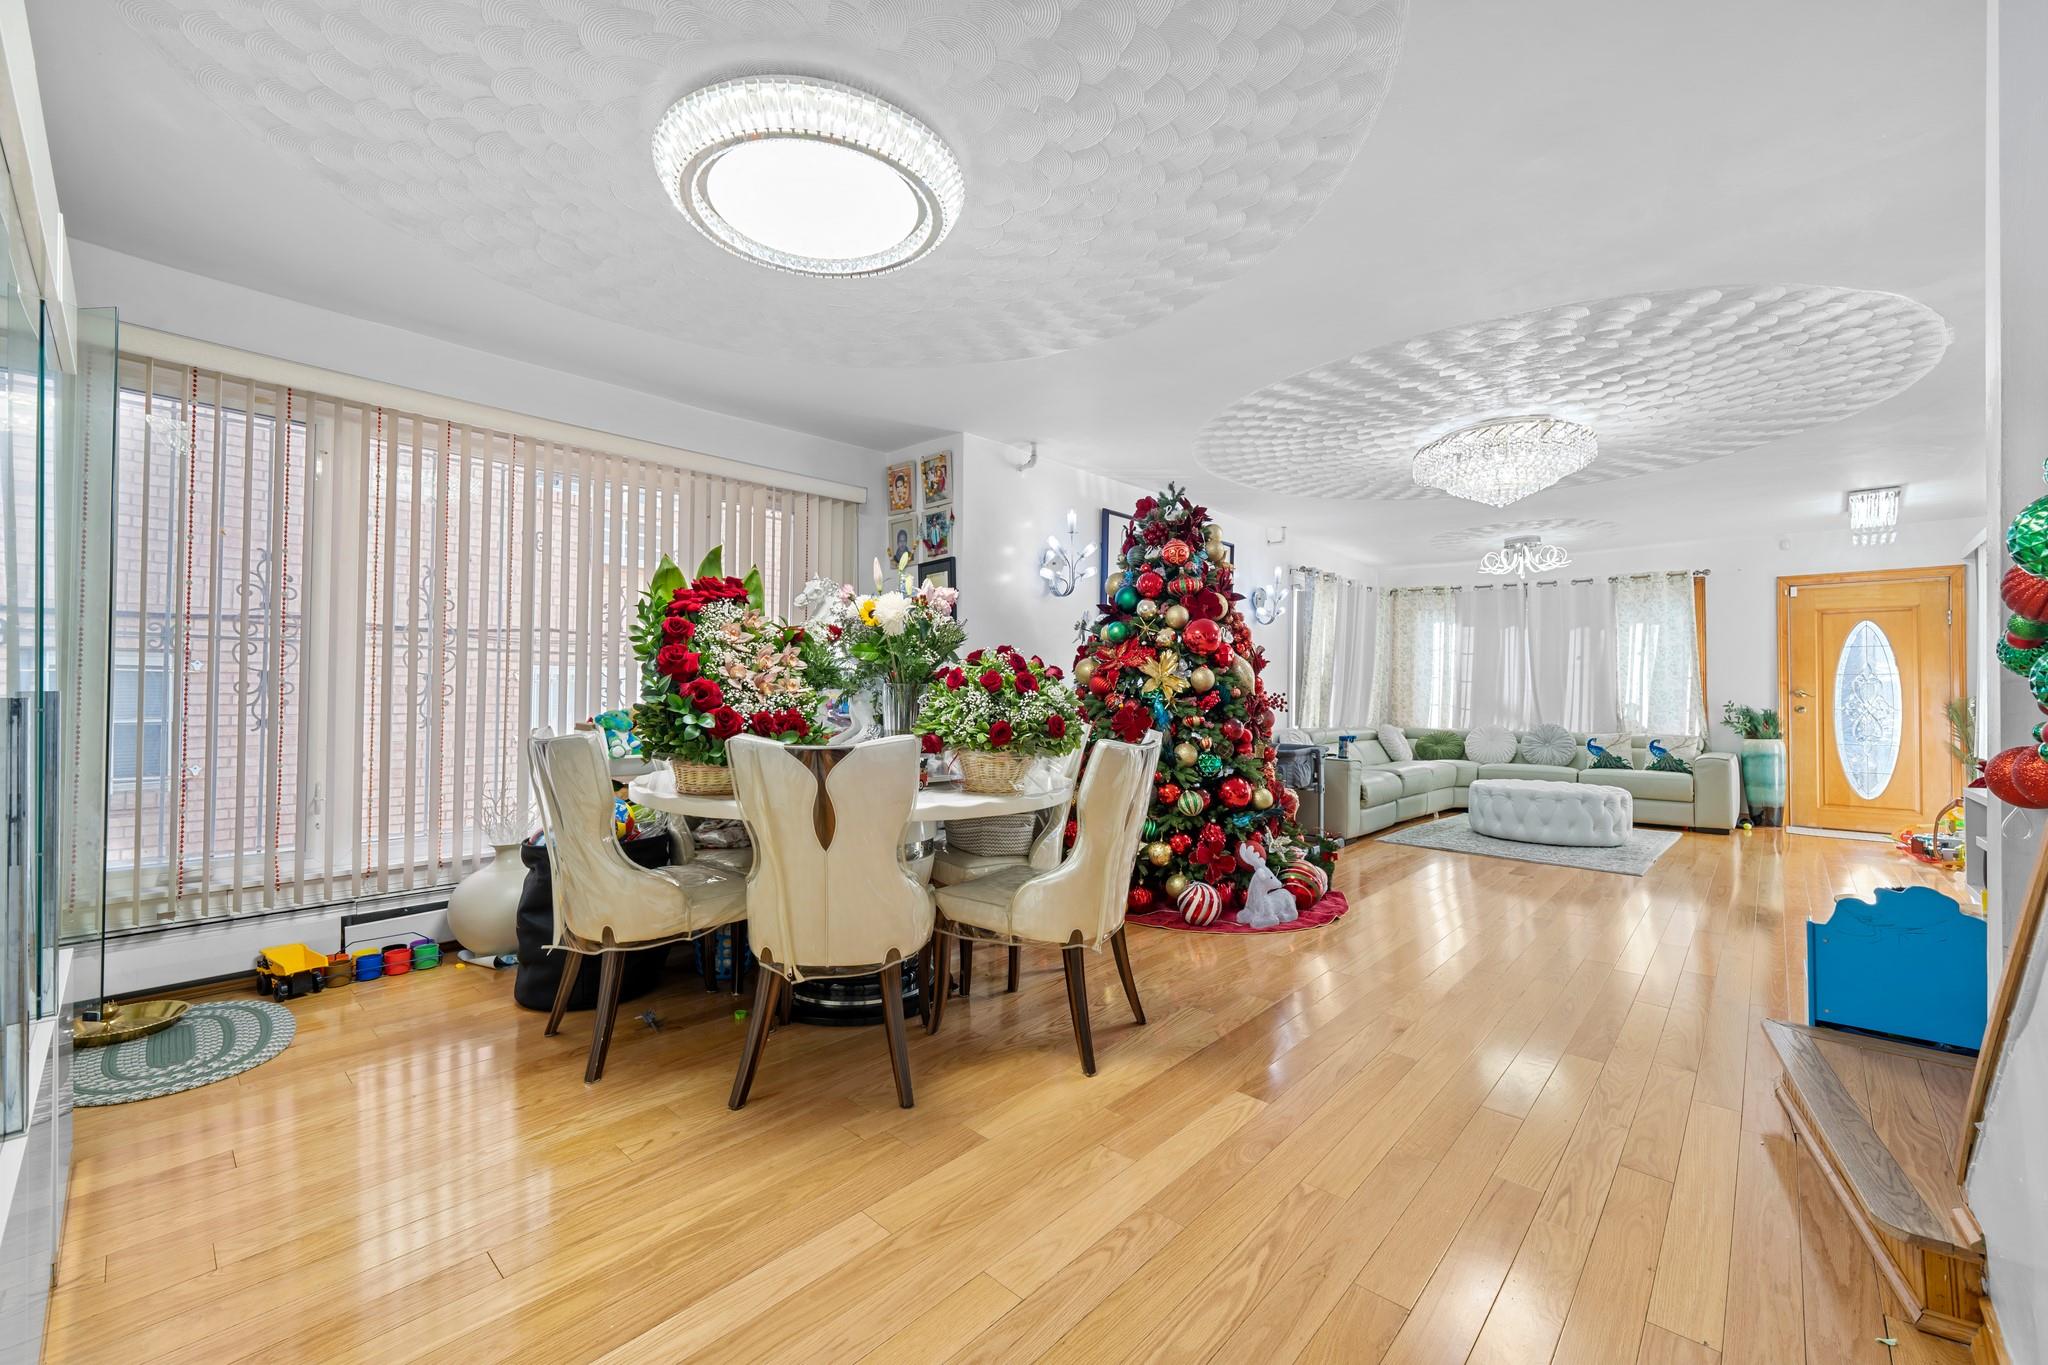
[[1419, 658], [1333, 649], [1496, 687], [1656, 654], [1571, 637]]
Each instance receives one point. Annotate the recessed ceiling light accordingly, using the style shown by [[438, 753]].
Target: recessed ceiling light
[[1504, 460], [808, 176]]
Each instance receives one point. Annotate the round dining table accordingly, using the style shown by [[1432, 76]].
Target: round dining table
[[857, 1000]]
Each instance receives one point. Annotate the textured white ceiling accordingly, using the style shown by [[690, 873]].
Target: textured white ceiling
[[1123, 158], [1571, 532], [1663, 380]]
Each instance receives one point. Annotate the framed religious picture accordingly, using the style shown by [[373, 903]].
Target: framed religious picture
[[902, 487], [935, 479], [903, 538], [936, 539], [938, 571]]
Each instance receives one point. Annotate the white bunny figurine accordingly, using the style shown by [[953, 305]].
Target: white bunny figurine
[[1266, 902]]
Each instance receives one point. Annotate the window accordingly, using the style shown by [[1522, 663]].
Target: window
[[335, 623], [1657, 655]]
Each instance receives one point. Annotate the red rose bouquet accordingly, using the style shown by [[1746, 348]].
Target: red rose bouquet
[[998, 711]]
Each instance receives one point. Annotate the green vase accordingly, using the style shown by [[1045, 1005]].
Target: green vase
[[1763, 779]]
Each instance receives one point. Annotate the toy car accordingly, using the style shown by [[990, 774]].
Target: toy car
[[290, 969]]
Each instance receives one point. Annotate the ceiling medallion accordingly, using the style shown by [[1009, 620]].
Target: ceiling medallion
[[1524, 555], [1504, 460], [808, 176]]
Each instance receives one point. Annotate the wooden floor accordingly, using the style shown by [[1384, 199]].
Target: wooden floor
[[1502, 1113]]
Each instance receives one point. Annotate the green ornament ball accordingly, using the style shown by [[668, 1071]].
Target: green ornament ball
[[2026, 540], [2037, 680], [2020, 628], [1116, 632], [1191, 803], [1151, 830], [1126, 598], [2020, 661], [1209, 765]]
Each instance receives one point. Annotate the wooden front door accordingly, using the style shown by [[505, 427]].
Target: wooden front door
[[1869, 662]]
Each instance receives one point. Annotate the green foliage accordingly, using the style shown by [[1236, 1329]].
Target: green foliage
[[1042, 716], [1962, 730], [1751, 722]]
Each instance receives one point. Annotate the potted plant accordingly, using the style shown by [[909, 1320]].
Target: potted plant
[[713, 663], [893, 639], [997, 713], [1763, 759]]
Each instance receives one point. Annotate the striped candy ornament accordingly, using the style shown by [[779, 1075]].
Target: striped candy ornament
[[1200, 904], [1302, 873]]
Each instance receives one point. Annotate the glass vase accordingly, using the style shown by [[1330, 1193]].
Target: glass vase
[[899, 706]]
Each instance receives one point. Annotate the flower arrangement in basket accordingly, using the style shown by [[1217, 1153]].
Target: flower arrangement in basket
[[997, 713], [714, 664], [892, 638]]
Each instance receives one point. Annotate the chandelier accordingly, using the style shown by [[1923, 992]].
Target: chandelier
[[1874, 515], [1522, 556], [1504, 460], [808, 176]]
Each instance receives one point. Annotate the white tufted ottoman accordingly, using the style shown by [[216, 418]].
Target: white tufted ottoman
[[1559, 813]]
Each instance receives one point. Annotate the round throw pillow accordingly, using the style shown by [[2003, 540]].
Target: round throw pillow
[[1552, 744], [1490, 744]]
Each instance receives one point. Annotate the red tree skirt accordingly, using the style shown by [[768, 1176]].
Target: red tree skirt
[[1328, 910]]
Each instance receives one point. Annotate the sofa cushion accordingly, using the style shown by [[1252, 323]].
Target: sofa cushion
[[1529, 772], [1439, 745], [1616, 747], [1650, 786], [1490, 744], [1396, 744], [1366, 749], [1422, 776], [1378, 787], [1548, 744], [1463, 770]]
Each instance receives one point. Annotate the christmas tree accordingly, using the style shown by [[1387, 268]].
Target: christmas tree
[[1169, 650]]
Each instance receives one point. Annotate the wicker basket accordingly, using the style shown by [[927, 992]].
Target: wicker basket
[[987, 773], [700, 779]]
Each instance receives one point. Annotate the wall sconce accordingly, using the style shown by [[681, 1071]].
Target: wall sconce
[[1268, 603], [1060, 567]]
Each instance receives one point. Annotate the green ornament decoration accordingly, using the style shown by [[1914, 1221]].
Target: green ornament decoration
[[1191, 803], [2037, 680], [2020, 661], [2026, 540], [1151, 830], [2020, 628], [1209, 765], [1116, 632], [1126, 598]]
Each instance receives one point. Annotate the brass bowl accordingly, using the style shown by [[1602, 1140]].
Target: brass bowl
[[123, 1022]]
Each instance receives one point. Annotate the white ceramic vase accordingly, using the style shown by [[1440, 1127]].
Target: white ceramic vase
[[483, 910]]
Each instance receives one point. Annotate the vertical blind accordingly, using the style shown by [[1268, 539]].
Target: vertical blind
[[335, 622]]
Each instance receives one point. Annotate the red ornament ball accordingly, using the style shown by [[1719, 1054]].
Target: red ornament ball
[[1169, 792], [1101, 684], [1178, 842], [1200, 904], [1150, 584], [2025, 593], [1140, 898], [1290, 801], [1235, 791], [2019, 777], [1176, 552], [1201, 635]]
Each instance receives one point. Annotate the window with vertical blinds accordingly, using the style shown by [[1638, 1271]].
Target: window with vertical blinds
[[334, 622]]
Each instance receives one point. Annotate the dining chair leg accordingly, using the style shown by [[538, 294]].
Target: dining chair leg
[[739, 958], [1016, 956], [570, 968], [1122, 950], [707, 961], [939, 986], [1077, 1001], [966, 966], [765, 991], [611, 977], [892, 1022], [785, 1005]]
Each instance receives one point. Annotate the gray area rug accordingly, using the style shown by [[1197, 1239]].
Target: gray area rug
[[1454, 834]]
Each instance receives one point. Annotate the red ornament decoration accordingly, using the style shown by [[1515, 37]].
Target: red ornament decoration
[[1235, 791], [2019, 777], [1178, 842], [2025, 593], [1150, 584], [1140, 898], [1169, 792], [1201, 635], [1200, 904], [1176, 552]]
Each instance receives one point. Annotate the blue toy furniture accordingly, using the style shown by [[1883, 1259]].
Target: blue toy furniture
[[1908, 963]]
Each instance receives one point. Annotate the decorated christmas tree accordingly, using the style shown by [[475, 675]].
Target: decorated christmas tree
[[1170, 651]]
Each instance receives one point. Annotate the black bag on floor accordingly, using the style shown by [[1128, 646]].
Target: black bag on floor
[[540, 969]]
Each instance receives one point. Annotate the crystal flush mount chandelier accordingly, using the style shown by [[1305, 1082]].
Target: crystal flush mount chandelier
[[808, 176], [1874, 515], [1504, 460], [1524, 555]]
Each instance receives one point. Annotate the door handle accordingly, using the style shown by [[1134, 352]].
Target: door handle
[[1801, 692], [1799, 708]]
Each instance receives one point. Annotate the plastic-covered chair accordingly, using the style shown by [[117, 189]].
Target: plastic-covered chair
[[953, 866], [829, 894], [1079, 904], [605, 905]]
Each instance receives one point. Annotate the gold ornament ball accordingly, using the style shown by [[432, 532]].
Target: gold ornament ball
[[1241, 670], [1176, 884], [1175, 615], [1147, 607], [1083, 671], [1159, 855], [1112, 583], [1262, 798], [1185, 754], [1165, 637], [1202, 679]]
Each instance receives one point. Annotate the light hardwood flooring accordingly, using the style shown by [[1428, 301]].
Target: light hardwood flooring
[[1502, 1113]]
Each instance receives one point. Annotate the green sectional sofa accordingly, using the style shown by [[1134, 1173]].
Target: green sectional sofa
[[1368, 791]]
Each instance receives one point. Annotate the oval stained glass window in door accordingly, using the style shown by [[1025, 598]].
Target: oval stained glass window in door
[[1868, 712]]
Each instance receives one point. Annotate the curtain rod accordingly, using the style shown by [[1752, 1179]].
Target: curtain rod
[[1545, 582]]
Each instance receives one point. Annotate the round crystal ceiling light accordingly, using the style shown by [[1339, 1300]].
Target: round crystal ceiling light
[[1504, 460], [808, 176]]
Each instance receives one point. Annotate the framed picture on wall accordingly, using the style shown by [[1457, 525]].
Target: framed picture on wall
[[1114, 524], [903, 538], [936, 538], [935, 479], [939, 571], [902, 481]]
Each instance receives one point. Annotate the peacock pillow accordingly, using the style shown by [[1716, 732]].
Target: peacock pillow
[[1551, 744], [1439, 744], [1672, 753], [1608, 751], [1490, 744]]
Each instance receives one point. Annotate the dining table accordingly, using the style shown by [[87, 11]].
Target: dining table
[[857, 1000]]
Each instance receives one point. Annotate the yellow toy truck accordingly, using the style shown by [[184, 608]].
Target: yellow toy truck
[[290, 969]]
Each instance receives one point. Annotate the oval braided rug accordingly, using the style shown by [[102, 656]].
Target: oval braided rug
[[211, 1043]]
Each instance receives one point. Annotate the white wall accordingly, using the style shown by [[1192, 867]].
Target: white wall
[[1742, 620]]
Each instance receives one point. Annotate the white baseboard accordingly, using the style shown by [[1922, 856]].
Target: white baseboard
[[138, 964]]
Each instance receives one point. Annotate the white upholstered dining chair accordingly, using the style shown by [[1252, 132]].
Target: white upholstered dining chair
[[953, 866], [829, 894], [605, 904], [1079, 904]]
